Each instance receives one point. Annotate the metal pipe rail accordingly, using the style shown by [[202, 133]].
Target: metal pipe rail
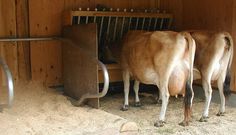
[[83, 97], [9, 84]]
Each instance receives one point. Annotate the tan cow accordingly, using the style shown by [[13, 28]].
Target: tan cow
[[161, 58], [214, 53]]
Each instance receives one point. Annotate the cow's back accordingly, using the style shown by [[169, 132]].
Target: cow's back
[[148, 55], [209, 45]]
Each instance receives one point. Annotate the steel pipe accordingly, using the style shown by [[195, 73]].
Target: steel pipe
[[27, 39], [9, 84], [104, 90]]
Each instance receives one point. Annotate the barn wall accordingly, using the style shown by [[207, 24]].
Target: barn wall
[[8, 51], [41, 61]]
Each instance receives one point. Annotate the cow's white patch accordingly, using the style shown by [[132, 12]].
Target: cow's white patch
[[216, 69]]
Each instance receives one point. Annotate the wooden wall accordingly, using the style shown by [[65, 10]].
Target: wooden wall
[[41, 61], [8, 51]]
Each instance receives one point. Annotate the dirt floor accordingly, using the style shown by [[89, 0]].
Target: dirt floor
[[43, 111]]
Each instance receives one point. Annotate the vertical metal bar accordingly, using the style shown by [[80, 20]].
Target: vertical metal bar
[[122, 27], [108, 26], [114, 34], [155, 24], [130, 18], [144, 19], [136, 25], [95, 17], [78, 19], [162, 20], [143, 22], [170, 22], [149, 24], [100, 30], [86, 20]]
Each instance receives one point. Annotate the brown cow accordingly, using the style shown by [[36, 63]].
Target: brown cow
[[161, 58], [214, 53]]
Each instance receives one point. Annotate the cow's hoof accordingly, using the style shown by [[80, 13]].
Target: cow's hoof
[[203, 119], [220, 114], [137, 104], [160, 123], [184, 123], [125, 108]]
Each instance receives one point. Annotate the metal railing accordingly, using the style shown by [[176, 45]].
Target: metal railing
[[113, 24], [9, 84]]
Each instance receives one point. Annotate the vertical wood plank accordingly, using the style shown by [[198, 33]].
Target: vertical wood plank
[[8, 29], [233, 67], [22, 28], [45, 20], [176, 8]]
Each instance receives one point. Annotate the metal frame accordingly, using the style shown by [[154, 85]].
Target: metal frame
[[119, 17]]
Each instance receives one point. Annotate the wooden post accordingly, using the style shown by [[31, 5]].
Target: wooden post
[[22, 30], [8, 29]]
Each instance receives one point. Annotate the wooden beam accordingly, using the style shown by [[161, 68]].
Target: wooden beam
[[22, 28], [45, 17], [8, 51]]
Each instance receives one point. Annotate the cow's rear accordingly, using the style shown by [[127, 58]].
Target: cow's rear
[[213, 60], [161, 58]]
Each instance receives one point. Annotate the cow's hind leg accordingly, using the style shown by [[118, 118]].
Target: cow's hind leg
[[159, 98], [222, 97], [136, 89], [165, 98], [126, 79], [208, 94]]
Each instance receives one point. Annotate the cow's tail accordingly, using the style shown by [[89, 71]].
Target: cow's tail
[[229, 43], [189, 94]]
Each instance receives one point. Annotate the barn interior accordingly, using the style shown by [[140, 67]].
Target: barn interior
[[48, 81]]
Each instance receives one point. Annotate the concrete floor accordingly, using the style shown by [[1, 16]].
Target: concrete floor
[[199, 93]]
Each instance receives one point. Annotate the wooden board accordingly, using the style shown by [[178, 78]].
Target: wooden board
[[80, 71], [176, 8], [45, 20], [8, 51], [115, 73], [23, 50], [233, 68]]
